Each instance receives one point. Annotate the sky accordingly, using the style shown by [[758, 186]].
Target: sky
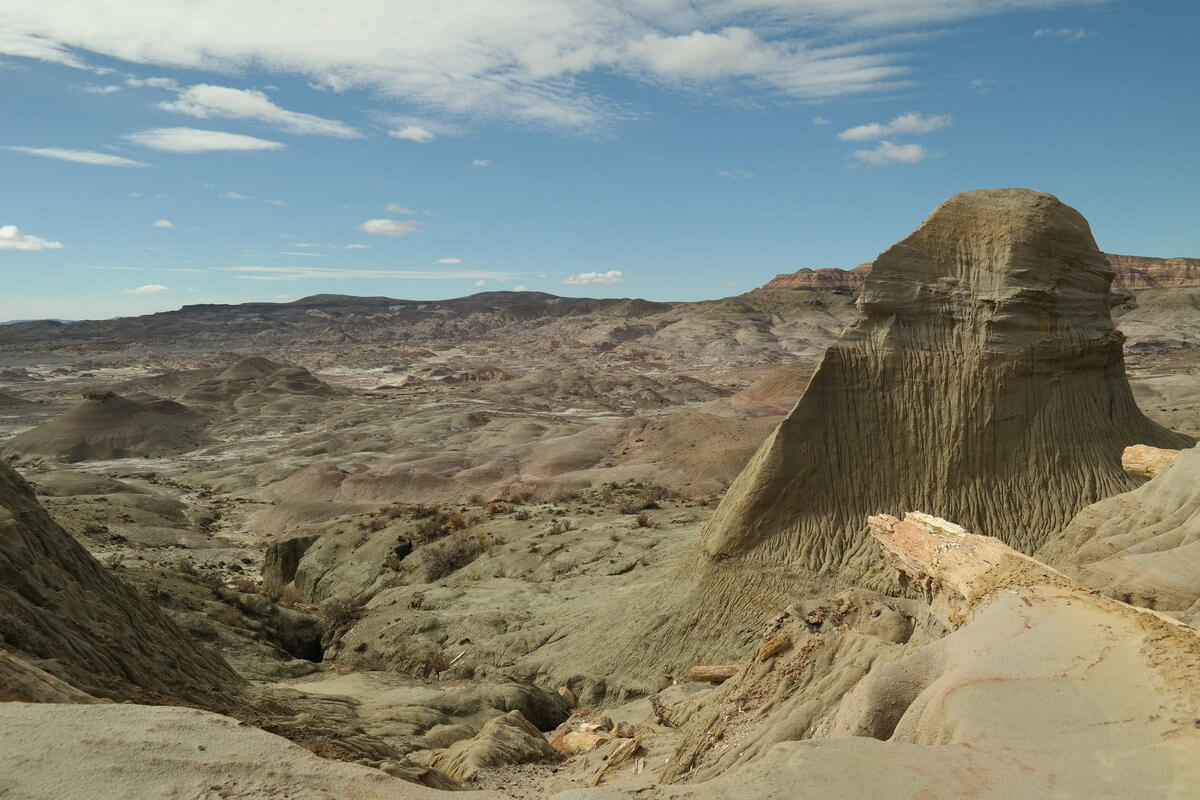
[[158, 153]]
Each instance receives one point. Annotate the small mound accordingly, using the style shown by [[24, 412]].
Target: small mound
[[256, 381], [107, 425]]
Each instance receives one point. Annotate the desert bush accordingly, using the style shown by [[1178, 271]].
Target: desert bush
[[457, 522], [188, 567], [449, 556], [521, 514], [338, 614], [430, 528], [520, 495], [560, 526], [561, 495], [113, 560], [642, 520], [231, 616], [437, 662], [496, 507]]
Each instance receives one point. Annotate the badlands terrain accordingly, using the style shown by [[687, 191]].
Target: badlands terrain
[[929, 527]]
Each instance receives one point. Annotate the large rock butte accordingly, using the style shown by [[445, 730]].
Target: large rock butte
[[984, 383]]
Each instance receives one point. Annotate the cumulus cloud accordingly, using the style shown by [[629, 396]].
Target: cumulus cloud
[[906, 124], [886, 153], [391, 227], [162, 223], [11, 238], [149, 288], [394, 208], [449, 261], [481, 282], [528, 60], [1066, 34], [481, 162], [80, 156], [195, 140], [206, 101], [413, 133], [595, 278], [258, 273]]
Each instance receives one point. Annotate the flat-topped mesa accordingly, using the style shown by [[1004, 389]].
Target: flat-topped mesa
[[827, 278], [985, 383]]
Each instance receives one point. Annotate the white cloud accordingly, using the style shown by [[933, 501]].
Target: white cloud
[[163, 223], [306, 244], [449, 261], [533, 61], [1066, 34], [152, 83], [595, 278], [149, 288], [11, 238], [110, 89], [206, 101], [398, 209], [391, 227], [736, 174], [358, 246], [886, 153], [906, 124], [481, 162], [481, 282], [331, 273], [820, 121], [413, 133], [275, 202], [236, 196], [520, 287], [80, 156], [195, 140]]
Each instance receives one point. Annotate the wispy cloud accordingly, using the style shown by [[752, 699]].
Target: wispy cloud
[[911, 123], [481, 162], [886, 153], [149, 288], [206, 101], [393, 208], [358, 246], [275, 202], [533, 62], [111, 88], [820, 121], [595, 278], [449, 261], [196, 140], [162, 223], [1068, 35], [11, 238], [391, 227], [80, 156], [735, 174]]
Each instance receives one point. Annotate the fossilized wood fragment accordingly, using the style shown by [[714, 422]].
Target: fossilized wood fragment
[[711, 673], [1142, 461]]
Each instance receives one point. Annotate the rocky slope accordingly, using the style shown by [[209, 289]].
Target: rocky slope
[[64, 610]]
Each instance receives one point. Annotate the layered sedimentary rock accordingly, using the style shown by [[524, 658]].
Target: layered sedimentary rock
[[984, 383], [827, 279], [70, 616], [1132, 273]]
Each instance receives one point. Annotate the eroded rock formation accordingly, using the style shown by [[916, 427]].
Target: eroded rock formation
[[985, 383]]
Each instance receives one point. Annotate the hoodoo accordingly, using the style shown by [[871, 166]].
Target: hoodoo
[[985, 382]]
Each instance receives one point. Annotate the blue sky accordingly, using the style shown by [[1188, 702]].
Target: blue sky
[[158, 152]]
